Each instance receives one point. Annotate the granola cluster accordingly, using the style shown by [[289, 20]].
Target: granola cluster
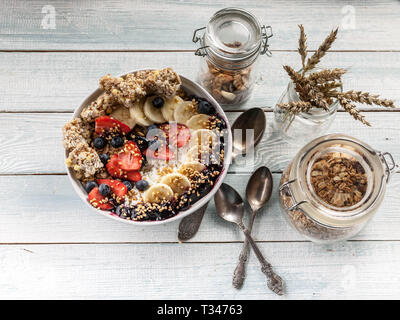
[[84, 160], [339, 180], [105, 103], [133, 87], [75, 132]]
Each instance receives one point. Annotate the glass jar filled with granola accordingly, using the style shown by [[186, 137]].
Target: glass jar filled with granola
[[230, 45], [333, 187]]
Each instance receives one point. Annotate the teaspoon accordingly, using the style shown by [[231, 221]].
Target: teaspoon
[[253, 119], [258, 193], [230, 207]]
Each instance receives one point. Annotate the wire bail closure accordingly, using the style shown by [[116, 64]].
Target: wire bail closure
[[286, 186], [393, 166], [266, 34], [200, 51]]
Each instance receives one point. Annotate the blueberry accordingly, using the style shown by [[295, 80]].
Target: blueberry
[[99, 143], [90, 185], [205, 107], [158, 102], [105, 189], [117, 142], [104, 158], [142, 185], [128, 184]]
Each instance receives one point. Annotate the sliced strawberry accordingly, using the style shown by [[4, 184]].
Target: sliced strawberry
[[117, 187], [107, 123], [133, 176], [98, 201], [115, 171], [177, 134], [162, 153], [113, 167], [130, 158]]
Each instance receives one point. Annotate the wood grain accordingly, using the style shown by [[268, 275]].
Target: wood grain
[[159, 25], [30, 143], [59, 82], [357, 270], [46, 209]]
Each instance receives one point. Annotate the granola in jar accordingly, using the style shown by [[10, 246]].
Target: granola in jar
[[333, 187], [230, 45]]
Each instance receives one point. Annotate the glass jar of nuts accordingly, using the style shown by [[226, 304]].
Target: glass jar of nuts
[[333, 187], [230, 45]]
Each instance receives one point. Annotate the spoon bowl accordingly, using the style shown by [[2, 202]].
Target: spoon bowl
[[252, 119], [259, 188], [229, 204]]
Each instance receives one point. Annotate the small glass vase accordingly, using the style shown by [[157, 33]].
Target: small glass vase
[[305, 126]]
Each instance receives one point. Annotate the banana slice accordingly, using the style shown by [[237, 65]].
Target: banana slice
[[184, 111], [152, 113], [199, 121], [199, 153], [122, 114], [168, 110], [178, 182], [187, 167], [157, 193], [203, 137], [136, 112]]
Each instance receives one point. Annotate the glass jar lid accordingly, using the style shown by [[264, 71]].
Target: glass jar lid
[[368, 163], [233, 35]]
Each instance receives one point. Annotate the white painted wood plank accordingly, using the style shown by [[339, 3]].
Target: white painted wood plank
[[124, 24], [31, 143], [357, 270], [45, 209], [60, 81]]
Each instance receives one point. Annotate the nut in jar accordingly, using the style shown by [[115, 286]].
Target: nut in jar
[[227, 87], [333, 187], [230, 46]]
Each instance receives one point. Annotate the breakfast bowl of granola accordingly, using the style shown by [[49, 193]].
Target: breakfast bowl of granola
[[147, 147]]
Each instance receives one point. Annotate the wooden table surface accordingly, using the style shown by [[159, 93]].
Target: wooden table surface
[[52, 246]]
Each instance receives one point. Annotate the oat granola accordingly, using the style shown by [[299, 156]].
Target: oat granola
[[84, 160], [105, 103], [339, 180], [75, 132]]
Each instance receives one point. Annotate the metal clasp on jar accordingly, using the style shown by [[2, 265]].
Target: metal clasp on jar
[[286, 186], [200, 51], [266, 32], [389, 169]]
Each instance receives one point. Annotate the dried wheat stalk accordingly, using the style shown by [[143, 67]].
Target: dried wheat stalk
[[322, 50], [318, 89], [351, 108], [302, 45], [367, 98], [296, 107], [327, 75]]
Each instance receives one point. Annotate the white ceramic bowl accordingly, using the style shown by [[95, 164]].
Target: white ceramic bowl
[[191, 88]]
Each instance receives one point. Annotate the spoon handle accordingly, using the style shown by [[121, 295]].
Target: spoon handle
[[189, 225], [240, 272], [274, 282]]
